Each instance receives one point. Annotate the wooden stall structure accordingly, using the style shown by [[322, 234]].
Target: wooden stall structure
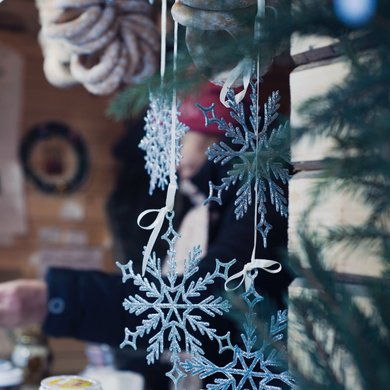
[[63, 225], [320, 67]]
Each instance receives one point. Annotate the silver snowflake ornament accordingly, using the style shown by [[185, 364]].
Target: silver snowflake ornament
[[172, 308], [157, 140], [259, 159], [250, 368]]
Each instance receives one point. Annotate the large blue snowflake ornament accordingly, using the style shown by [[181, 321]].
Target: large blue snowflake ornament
[[250, 368], [260, 159], [157, 140], [172, 307]]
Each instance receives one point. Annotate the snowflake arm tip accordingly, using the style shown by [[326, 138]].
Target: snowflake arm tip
[[215, 198]]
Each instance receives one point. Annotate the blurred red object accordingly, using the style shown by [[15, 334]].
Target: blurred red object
[[192, 115]]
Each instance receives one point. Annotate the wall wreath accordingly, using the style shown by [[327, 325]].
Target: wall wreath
[[54, 157]]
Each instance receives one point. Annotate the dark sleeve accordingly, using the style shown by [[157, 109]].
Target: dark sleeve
[[234, 239], [86, 305]]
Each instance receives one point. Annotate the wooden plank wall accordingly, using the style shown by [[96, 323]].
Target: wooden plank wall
[[85, 113], [333, 208], [319, 68]]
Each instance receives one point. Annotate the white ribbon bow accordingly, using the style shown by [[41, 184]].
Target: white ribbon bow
[[243, 70], [157, 224], [264, 264]]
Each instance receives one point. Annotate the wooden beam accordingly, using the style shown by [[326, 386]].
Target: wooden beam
[[329, 52]]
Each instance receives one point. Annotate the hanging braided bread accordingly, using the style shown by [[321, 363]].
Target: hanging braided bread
[[107, 43]]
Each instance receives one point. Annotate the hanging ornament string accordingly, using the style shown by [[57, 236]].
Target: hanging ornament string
[[246, 274], [157, 224], [163, 39]]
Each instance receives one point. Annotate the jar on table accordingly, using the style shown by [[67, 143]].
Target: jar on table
[[31, 354], [10, 377], [69, 382]]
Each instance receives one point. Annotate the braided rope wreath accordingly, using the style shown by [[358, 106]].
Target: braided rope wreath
[[100, 44]]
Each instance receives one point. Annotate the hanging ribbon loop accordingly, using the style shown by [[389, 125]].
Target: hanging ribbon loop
[[242, 71], [157, 224], [244, 275]]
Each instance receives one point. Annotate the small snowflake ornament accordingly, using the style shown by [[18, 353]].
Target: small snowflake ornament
[[260, 159], [173, 308], [157, 140], [250, 368]]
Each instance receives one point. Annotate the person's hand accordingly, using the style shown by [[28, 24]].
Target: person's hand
[[22, 302], [193, 151]]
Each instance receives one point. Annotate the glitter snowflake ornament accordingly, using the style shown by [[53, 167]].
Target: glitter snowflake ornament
[[157, 140], [172, 307], [249, 368], [260, 160]]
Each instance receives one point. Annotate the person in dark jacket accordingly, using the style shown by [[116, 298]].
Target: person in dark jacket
[[88, 304]]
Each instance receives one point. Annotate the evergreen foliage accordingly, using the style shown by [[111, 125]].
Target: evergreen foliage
[[356, 116]]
